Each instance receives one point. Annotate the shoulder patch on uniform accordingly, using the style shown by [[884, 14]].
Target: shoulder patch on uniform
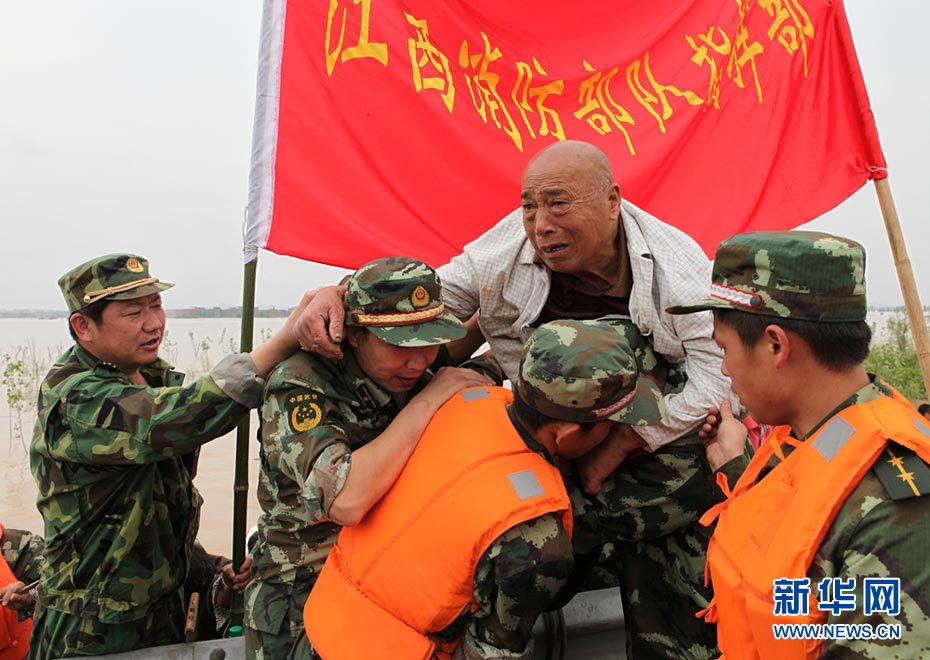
[[303, 409], [902, 472]]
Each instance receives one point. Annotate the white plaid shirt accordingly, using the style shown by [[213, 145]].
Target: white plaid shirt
[[498, 274]]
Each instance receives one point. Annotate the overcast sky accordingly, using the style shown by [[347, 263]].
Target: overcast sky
[[126, 125]]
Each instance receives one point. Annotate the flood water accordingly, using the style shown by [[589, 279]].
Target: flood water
[[193, 346]]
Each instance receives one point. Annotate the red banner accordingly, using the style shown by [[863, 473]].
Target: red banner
[[403, 128]]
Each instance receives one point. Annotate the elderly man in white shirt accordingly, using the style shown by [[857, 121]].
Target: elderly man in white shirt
[[577, 250]]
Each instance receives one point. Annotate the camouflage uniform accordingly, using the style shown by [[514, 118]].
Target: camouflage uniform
[[882, 527], [316, 411], [302, 471], [571, 371], [114, 462], [642, 531], [23, 553]]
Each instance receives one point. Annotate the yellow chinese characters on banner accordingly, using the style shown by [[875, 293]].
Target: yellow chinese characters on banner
[[792, 25], [744, 52], [656, 94], [727, 55], [523, 91], [422, 53], [482, 85], [703, 43], [735, 54], [362, 48], [599, 108]]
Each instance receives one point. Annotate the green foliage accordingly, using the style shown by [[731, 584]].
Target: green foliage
[[894, 360], [20, 375]]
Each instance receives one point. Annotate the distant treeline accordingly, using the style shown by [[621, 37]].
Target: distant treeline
[[236, 312], [182, 313]]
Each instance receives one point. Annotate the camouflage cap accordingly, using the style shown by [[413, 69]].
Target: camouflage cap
[[400, 301], [802, 275], [585, 371], [110, 277]]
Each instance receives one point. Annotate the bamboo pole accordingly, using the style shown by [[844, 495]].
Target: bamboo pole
[[241, 483], [915, 313]]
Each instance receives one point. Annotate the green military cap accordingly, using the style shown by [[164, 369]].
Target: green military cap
[[585, 371], [400, 301], [111, 277], [805, 275]]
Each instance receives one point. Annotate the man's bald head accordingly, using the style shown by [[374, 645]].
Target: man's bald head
[[583, 158], [571, 208]]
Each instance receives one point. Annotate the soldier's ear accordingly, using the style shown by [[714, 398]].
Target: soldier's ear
[[566, 435], [352, 334], [82, 325], [778, 343]]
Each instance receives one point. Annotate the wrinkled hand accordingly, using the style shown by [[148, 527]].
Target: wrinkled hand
[[320, 327], [723, 435], [11, 597], [597, 464], [450, 380]]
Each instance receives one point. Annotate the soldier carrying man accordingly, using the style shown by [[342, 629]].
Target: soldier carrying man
[[577, 250], [473, 542]]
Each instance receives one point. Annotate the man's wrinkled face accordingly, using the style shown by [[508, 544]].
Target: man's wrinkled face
[[570, 214], [129, 333]]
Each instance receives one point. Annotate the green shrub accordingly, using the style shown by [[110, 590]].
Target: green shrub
[[894, 360]]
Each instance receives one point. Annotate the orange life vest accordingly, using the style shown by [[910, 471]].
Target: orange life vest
[[773, 528], [14, 636], [408, 568]]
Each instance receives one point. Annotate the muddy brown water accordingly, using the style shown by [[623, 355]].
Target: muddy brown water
[[191, 345]]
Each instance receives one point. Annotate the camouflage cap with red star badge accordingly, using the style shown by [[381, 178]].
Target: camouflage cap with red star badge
[[110, 277], [400, 301]]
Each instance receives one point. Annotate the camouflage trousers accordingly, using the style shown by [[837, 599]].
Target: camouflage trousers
[[58, 634], [274, 616], [653, 549], [303, 649]]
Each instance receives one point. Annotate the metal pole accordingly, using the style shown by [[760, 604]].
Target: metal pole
[[241, 483], [915, 313]]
